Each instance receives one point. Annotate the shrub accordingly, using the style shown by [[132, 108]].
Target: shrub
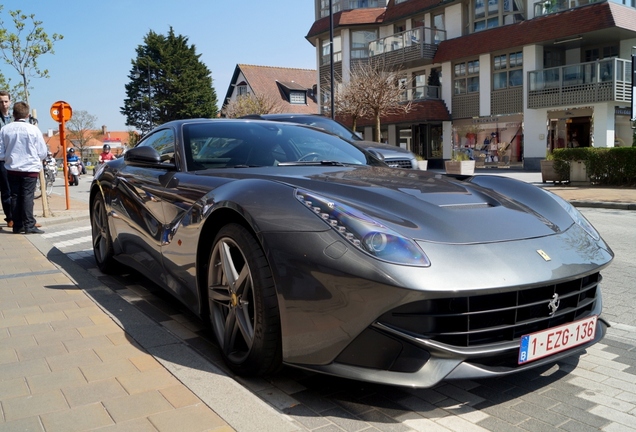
[[605, 166]]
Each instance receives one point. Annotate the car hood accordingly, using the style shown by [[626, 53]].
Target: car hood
[[433, 207]]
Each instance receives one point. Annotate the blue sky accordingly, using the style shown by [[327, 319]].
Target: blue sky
[[91, 64]]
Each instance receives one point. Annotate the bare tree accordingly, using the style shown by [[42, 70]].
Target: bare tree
[[372, 90], [23, 48], [349, 104], [81, 129], [251, 104]]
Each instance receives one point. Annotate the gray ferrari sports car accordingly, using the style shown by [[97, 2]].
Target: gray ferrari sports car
[[300, 248]]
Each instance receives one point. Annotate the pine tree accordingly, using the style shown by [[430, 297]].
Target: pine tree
[[167, 82]]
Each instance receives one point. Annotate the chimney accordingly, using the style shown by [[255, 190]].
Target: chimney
[[104, 130], [49, 133]]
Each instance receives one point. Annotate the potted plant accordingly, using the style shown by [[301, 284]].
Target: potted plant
[[421, 163], [460, 164], [548, 172]]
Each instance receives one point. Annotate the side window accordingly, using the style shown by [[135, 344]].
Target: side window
[[163, 142]]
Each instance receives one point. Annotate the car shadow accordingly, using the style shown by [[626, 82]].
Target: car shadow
[[157, 322]]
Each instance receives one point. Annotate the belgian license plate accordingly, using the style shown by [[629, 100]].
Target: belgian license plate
[[556, 339]]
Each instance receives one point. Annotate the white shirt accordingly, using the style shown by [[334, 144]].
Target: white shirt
[[22, 147]]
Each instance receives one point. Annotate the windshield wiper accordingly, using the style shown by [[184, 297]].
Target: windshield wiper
[[312, 163]]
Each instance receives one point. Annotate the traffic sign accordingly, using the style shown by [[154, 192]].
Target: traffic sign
[[61, 111]]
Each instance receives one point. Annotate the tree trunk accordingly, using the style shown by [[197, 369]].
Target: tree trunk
[[378, 132]]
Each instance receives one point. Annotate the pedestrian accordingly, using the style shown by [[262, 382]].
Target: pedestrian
[[24, 149], [5, 190]]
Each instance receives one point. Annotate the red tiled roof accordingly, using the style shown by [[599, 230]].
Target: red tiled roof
[[352, 17], [408, 8], [263, 80], [565, 24], [98, 140]]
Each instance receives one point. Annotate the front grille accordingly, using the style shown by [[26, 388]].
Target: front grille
[[485, 319], [399, 163]]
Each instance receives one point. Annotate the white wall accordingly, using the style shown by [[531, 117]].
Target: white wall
[[453, 21], [485, 84]]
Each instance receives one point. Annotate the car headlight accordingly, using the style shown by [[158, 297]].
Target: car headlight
[[363, 232], [576, 216]]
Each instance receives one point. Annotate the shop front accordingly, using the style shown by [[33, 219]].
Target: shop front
[[492, 142], [570, 128]]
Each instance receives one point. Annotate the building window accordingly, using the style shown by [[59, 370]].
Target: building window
[[494, 13], [337, 51], [336, 6], [360, 43], [241, 90], [507, 71], [298, 97], [399, 1], [466, 77]]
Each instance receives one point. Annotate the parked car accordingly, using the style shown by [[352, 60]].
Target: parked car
[[396, 157], [302, 249]]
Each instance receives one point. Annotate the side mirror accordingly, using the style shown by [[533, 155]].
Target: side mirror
[[146, 157]]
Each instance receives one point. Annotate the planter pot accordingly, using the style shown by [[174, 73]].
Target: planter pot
[[548, 173], [460, 167], [422, 164]]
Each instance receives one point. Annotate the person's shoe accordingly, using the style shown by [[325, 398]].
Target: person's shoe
[[18, 231], [34, 231], [10, 224]]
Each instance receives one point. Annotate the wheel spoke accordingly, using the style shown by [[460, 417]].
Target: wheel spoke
[[229, 333]]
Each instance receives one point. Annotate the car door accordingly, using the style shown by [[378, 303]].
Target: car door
[[136, 201]]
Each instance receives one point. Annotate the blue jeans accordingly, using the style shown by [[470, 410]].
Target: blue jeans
[[22, 196], [5, 193]]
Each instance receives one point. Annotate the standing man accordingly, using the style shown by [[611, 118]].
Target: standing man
[[24, 149], [5, 190]]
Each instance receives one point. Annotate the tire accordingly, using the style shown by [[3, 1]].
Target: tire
[[243, 305], [75, 180], [102, 241], [49, 183]]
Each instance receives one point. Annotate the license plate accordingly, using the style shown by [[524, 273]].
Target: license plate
[[556, 339]]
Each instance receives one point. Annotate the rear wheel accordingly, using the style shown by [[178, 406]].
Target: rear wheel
[[102, 242], [243, 304]]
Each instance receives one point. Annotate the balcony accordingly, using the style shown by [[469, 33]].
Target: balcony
[[421, 93], [547, 7], [407, 48], [600, 81]]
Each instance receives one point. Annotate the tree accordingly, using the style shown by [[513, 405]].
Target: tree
[[349, 104], [251, 104], [373, 90], [23, 48], [81, 129], [167, 82]]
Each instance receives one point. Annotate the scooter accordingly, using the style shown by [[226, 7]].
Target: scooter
[[74, 171]]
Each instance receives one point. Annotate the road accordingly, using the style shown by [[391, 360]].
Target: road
[[596, 391]]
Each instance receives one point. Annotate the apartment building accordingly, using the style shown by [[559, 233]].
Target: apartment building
[[504, 81]]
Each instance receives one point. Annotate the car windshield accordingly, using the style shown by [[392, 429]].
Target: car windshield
[[240, 144]]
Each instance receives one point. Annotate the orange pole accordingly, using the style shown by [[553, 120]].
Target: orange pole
[[64, 164]]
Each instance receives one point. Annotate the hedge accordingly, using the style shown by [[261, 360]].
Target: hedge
[[605, 166]]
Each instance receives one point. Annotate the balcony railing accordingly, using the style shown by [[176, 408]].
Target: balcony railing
[[547, 7], [421, 92], [410, 45], [338, 5], [599, 81]]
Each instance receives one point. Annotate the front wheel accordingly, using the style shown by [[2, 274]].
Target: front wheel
[[75, 180], [243, 304], [102, 241]]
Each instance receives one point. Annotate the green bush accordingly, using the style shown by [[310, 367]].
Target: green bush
[[605, 166]]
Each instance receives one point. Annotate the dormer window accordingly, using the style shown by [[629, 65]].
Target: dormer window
[[298, 97]]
